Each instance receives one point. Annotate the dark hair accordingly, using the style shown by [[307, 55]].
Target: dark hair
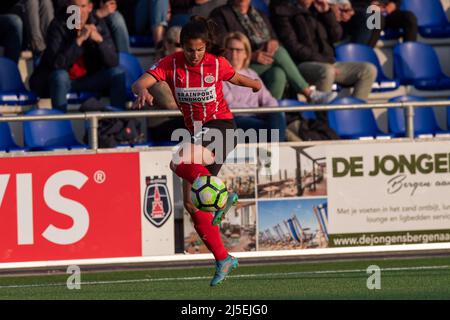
[[202, 28]]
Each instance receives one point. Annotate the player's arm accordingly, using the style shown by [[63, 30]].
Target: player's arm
[[140, 88], [244, 81]]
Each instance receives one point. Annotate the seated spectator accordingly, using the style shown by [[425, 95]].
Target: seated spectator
[[37, 17], [343, 11], [391, 17], [182, 10], [171, 43], [238, 52], [309, 34], [11, 29], [270, 60], [107, 9], [152, 15], [83, 59]]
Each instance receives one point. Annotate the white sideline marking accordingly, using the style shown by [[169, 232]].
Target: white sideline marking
[[240, 276]]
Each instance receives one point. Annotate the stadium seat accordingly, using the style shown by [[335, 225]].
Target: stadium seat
[[424, 119], [431, 17], [293, 102], [362, 53], [139, 41], [391, 34], [354, 123], [133, 71], [12, 89], [262, 6], [7, 143], [49, 134], [80, 97], [417, 64]]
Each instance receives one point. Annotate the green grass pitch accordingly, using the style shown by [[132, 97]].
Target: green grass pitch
[[424, 278]]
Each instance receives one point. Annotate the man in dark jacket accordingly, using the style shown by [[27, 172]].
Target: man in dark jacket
[[391, 17], [83, 59], [11, 29], [308, 29]]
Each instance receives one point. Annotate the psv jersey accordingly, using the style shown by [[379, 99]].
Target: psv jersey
[[197, 90]]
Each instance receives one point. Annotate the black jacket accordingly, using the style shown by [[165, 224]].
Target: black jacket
[[306, 34], [227, 21], [62, 51]]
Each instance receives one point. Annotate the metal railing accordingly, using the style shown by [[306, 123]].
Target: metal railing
[[94, 117]]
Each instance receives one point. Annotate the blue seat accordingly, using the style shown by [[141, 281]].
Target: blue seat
[[7, 143], [80, 97], [293, 102], [417, 64], [262, 6], [354, 123], [431, 17], [133, 71], [362, 53], [12, 89], [49, 134], [424, 119], [391, 34], [140, 41]]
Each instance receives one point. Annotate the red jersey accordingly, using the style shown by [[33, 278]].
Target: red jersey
[[197, 90]]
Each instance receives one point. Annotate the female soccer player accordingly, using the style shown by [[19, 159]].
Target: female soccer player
[[195, 78]]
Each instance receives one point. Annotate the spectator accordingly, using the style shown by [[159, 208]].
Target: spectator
[[238, 52], [343, 11], [391, 17], [270, 60], [83, 59], [37, 17], [107, 9], [104, 9], [171, 43], [182, 10], [11, 29], [309, 34], [152, 14]]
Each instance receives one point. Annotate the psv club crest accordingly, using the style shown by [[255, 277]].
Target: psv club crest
[[157, 204]]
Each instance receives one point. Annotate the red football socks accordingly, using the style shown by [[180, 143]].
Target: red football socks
[[191, 171], [209, 234]]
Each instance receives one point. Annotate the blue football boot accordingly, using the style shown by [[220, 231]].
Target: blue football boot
[[223, 269], [231, 201]]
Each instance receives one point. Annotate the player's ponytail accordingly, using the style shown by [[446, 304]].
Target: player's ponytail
[[202, 28]]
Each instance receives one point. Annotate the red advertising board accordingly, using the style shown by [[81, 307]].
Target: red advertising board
[[70, 207]]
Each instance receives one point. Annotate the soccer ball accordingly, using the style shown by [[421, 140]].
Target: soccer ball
[[209, 193]]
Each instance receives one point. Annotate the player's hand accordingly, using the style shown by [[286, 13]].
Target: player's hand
[[258, 86], [143, 98]]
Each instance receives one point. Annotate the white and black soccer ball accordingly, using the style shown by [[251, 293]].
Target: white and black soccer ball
[[209, 193]]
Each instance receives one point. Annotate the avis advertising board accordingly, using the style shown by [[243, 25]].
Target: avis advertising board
[[85, 206]]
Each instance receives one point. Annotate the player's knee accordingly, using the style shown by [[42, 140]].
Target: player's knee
[[173, 166]]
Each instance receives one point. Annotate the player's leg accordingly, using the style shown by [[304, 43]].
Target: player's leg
[[190, 162], [215, 167], [211, 237]]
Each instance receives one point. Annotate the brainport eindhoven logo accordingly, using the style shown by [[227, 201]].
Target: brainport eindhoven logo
[[157, 204]]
